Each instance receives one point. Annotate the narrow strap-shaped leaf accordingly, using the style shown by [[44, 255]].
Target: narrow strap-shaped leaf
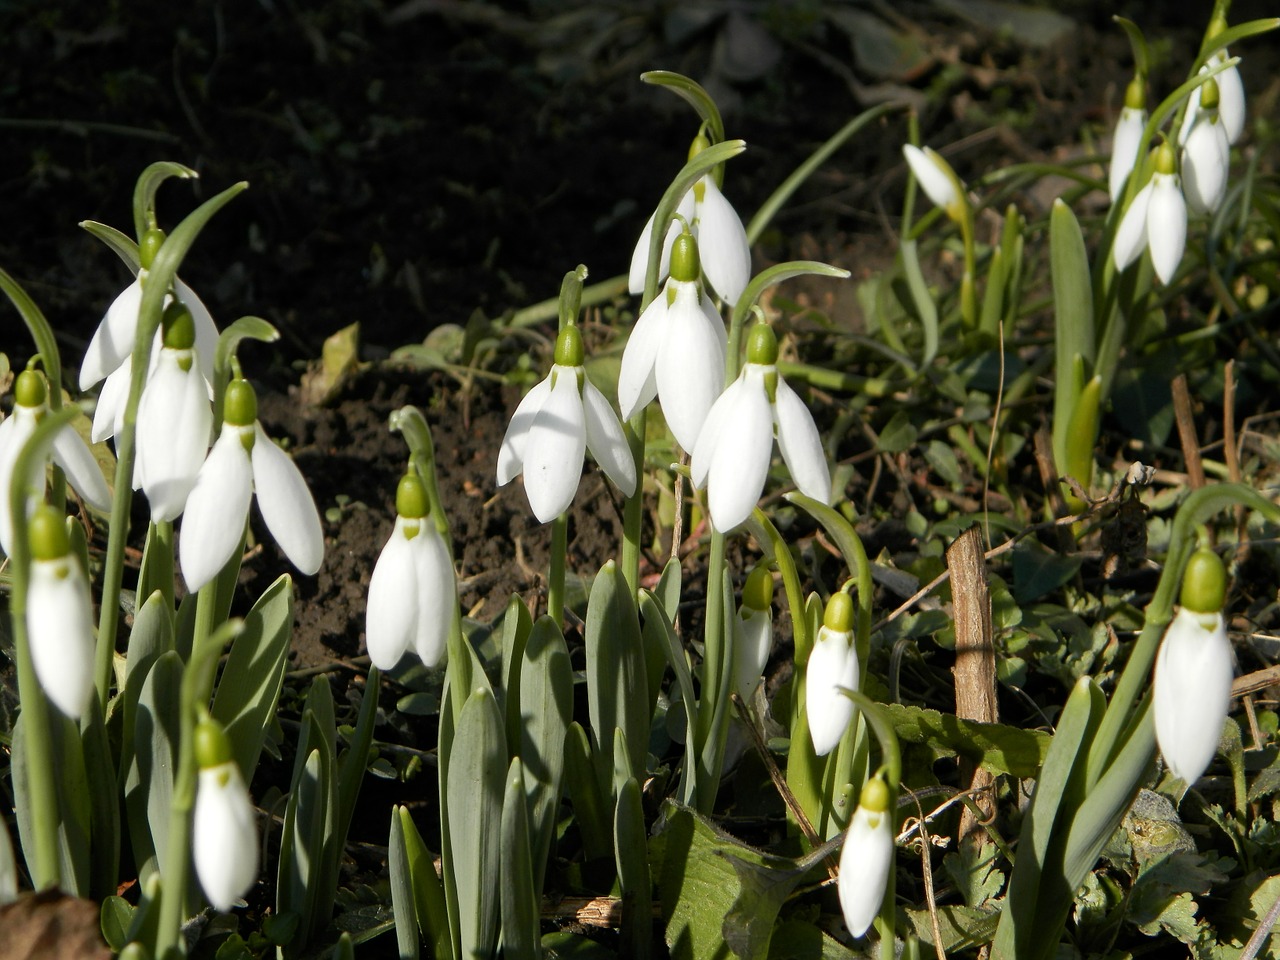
[[630, 843], [516, 624], [546, 709], [353, 761], [1073, 331], [152, 635], [583, 786], [428, 893], [925, 309], [104, 804], [403, 904], [148, 794], [693, 94], [519, 897]]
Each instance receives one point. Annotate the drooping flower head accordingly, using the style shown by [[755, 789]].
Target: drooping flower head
[[1206, 153], [1156, 219], [937, 179], [175, 418], [1193, 671], [1127, 141], [833, 665], [676, 351], [866, 858], [243, 462], [753, 632], [553, 427], [731, 457], [1230, 90], [69, 451], [224, 837], [412, 590], [726, 255], [59, 615]]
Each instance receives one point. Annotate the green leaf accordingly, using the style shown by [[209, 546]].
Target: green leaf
[[693, 94], [116, 915], [353, 761], [898, 434], [961, 927], [615, 670], [795, 939], [477, 767], [428, 894], [921, 303], [518, 896], [716, 894], [250, 685], [993, 746], [302, 843], [973, 869], [104, 805], [1037, 570], [516, 624], [148, 787], [583, 786], [546, 709], [403, 902], [1074, 334], [632, 855]]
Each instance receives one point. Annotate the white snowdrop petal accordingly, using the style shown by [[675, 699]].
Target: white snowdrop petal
[[437, 594], [637, 378], [740, 463], [15, 430], [1192, 692], [60, 633], [391, 611], [716, 424], [800, 444], [640, 255], [864, 868], [1231, 107], [217, 508], [606, 441], [112, 342], [224, 837], [722, 244], [1124, 148], [108, 414], [690, 367], [206, 343], [932, 178], [511, 453], [1166, 225], [1131, 237], [83, 473], [287, 505], [557, 445], [832, 665], [1205, 159], [174, 421]]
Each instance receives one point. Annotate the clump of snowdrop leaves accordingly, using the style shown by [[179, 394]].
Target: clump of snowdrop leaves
[[243, 462], [676, 351], [833, 666], [866, 858], [1206, 152], [412, 588], [175, 419], [731, 457], [1193, 671], [726, 255], [59, 615], [1126, 143], [553, 427], [31, 403], [1156, 219], [224, 836]]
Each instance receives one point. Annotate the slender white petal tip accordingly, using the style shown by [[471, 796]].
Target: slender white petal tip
[[932, 173], [722, 243], [1192, 691], [217, 508], [224, 835], [865, 859], [1124, 148], [1166, 225], [391, 614], [60, 632], [286, 504], [833, 664]]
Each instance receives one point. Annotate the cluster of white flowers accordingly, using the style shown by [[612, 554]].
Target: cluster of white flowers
[[1156, 218]]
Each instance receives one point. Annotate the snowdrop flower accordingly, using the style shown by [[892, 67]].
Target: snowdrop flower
[[676, 351], [554, 425], [224, 837], [833, 664], [412, 589], [936, 179], [866, 858], [243, 462], [731, 457], [1156, 218], [112, 343], [1127, 141], [1230, 99], [1206, 154], [726, 255], [31, 402], [1193, 672], [753, 632], [174, 421], [59, 615]]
